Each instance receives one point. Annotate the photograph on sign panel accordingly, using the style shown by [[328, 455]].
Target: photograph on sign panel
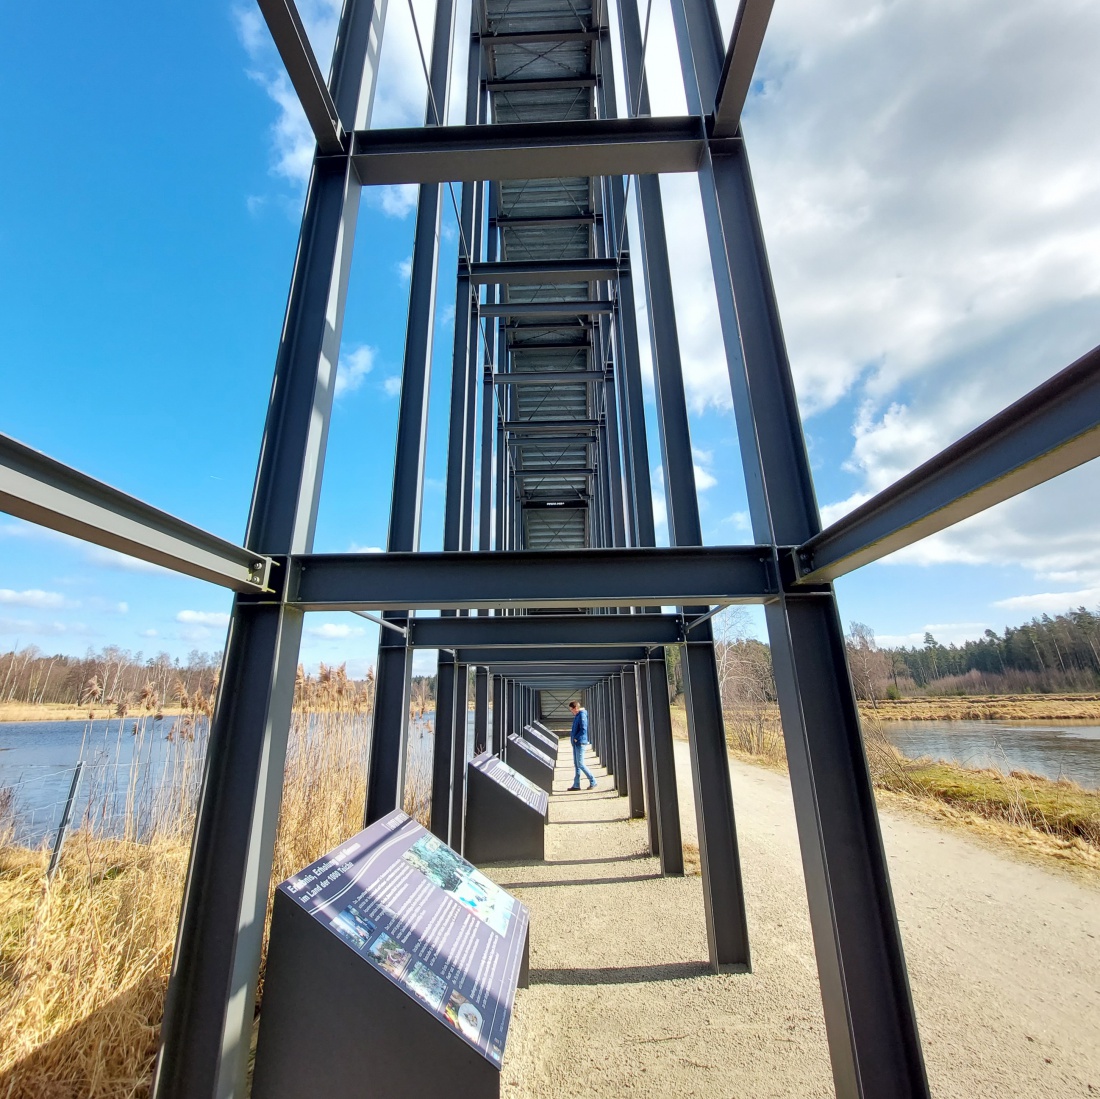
[[461, 880], [463, 1015], [354, 928], [390, 955], [429, 986]]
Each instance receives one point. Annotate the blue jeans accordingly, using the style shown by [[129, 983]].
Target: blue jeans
[[578, 765]]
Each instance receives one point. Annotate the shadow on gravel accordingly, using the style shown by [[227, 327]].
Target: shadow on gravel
[[577, 881], [622, 975]]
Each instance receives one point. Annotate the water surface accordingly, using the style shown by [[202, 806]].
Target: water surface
[[1052, 749]]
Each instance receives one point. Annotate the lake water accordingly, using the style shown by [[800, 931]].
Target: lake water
[[128, 765], [127, 772], [1055, 750]]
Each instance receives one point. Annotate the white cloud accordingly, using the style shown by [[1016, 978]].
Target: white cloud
[[1054, 602], [392, 385], [946, 633], [203, 618], [356, 548], [292, 139], [929, 197], [404, 269], [333, 631], [354, 366], [704, 479], [33, 597], [396, 200], [148, 633]]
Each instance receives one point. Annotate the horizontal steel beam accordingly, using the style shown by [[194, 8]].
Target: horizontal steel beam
[[46, 492], [547, 345], [305, 74], [542, 272], [1054, 428], [543, 658], [508, 221], [549, 427], [522, 38], [549, 471], [576, 504], [547, 630], [528, 150], [540, 84], [746, 40], [650, 577], [545, 308], [556, 440], [550, 377]]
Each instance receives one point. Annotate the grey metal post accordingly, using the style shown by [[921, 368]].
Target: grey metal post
[[207, 1025], [481, 712], [614, 695], [442, 747], [385, 778], [66, 817], [632, 741], [496, 745], [664, 767], [723, 892], [648, 775], [460, 755], [869, 1017]]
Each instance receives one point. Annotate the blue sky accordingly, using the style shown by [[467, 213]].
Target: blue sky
[[930, 190]]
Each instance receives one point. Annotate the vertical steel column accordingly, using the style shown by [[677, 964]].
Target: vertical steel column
[[723, 891], [614, 694], [481, 710], [207, 1024], [496, 744], [664, 767], [386, 777], [442, 747], [869, 1016], [461, 754], [632, 741], [648, 775]]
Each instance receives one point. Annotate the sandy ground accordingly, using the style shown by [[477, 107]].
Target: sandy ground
[[1004, 958]]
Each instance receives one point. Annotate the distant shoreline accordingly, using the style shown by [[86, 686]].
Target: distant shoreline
[[60, 711], [1065, 707]]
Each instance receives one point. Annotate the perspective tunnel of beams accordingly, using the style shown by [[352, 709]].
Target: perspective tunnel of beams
[[552, 428]]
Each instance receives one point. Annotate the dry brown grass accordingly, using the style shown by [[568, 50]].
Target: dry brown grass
[[1025, 812], [84, 961], [1084, 707]]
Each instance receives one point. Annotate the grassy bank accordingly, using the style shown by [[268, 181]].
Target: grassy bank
[[1057, 820], [84, 960], [60, 711], [1083, 708]]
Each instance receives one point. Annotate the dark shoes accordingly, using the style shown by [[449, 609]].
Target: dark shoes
[[591, 786], [572, 787]]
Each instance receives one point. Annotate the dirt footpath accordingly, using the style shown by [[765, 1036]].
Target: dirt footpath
[[1004, 959]]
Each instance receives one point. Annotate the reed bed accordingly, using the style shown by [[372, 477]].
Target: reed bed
[[84, 959]]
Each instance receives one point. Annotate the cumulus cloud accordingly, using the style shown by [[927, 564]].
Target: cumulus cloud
[[929, 197], [203, 618], [332, 631], [399, 99], [33, 597], [354, 366], [392, 385]]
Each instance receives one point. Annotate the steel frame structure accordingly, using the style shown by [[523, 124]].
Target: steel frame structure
[[548, 472]]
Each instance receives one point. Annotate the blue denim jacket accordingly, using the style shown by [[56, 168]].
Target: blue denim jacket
[[579, 732]]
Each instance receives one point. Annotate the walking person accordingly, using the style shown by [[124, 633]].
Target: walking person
[[579, 736]]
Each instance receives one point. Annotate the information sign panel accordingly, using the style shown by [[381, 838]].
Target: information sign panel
[[530, 761], [540, 740], [516, 784], [427, 920]]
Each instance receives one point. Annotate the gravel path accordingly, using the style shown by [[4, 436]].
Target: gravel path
[[1003, 957]]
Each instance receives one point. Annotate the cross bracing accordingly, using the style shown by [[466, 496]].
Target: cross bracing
[[550, 583]]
